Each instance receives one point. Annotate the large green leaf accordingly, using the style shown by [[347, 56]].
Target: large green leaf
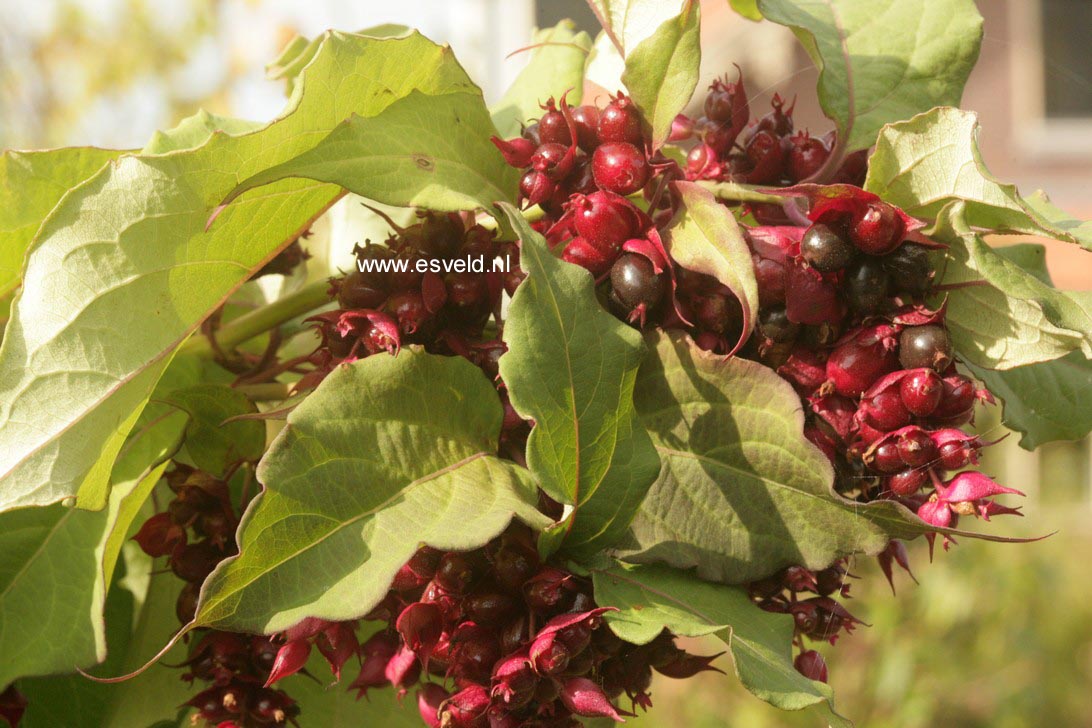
[[628, 22], [31, 184], [123, 270], [424, 150], [1038, 398], [1001, 315], [55, 563], [156, 694], [571, 368], [662, 70], [883, 60], [705, 237], [653, 598], [742, 492], [929, 161], [386, 454], [212, 445], [556, 66]]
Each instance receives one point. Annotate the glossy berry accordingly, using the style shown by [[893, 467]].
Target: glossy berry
[[907, 482], [825, 250], [877, 229], [586, 120], [634, 282], [925, 346], [408, 307], [360, 290], [774, 324], [885, 411], [806, 156], [910, 268], [916, 448], [866, 286], [620, 122], [552, 126], [620, 167], [921, 391], [957, 402], [954, 456], [604, 219], [886, 458]]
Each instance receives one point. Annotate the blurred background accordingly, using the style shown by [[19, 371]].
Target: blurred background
[[994, 634]]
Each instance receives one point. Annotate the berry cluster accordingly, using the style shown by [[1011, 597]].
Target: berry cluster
[[496, 638], [731, 148], [195, 533]]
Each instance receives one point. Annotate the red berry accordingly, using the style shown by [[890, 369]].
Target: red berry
[[360, 290], [767, 155], [921, 391], [859, 361], [877, 229], [916, 448], [806, 155], [906, 483], [552, 127], [620, 168], [586, 120], [811, 665], [886, 458], [778, 121], [620, 122], [582, 253], [885, 411], [604, 219]]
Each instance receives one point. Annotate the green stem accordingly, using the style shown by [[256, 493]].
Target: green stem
[[740, 193], [260, 320]]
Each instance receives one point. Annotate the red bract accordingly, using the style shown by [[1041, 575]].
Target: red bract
[[861, 358], [586, 698]]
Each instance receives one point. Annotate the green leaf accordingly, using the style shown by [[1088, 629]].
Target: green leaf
[[31, 184], [301, 50], [193, 131], [884, 60], [55, 563], [556, 66], [628, 22], [932, 160], [662, 70], [705, 237], [1000, 315], [108, 296], [154, 695], [1039, 398], [652, 598], [1060, 222], [746, 8], [424, 150], [571, 367], [212, 445], [742, 492], [387, 453]]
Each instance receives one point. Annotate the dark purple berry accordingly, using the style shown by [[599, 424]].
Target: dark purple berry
[[825, 250], [910, 268], [866, 285], [925, 346], [634, 281], [774, 324]]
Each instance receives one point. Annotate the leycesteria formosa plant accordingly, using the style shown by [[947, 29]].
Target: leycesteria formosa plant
[[696, 363]]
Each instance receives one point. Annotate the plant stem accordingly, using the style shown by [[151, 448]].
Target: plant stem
[[258, 321], [740, 193], [264, 391]]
